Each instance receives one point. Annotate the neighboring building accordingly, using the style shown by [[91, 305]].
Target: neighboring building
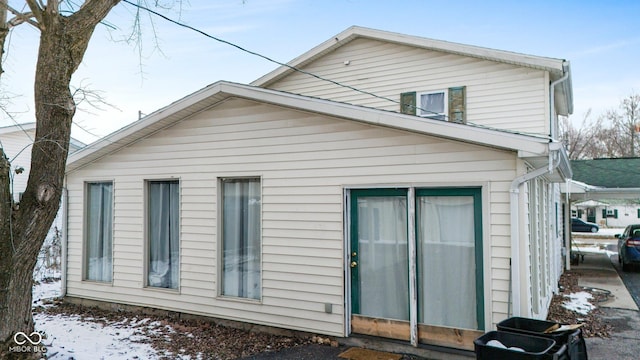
[[296, 203], [606, 191], [16, 141]]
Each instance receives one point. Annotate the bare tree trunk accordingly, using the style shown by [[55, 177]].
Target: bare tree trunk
[[63, 42]]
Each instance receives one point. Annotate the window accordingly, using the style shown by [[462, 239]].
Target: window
[[432, 105], [241, 228], [163, 232], [99, 236], [448, 105], [449, 263], [449, 250], [607, 213]]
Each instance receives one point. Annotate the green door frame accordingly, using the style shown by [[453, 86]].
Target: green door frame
[[355, 272], [475, 192]]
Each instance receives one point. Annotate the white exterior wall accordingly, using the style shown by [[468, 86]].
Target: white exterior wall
[[499, 95], [17, 146], [627, 215], [542, 253], [305, 162]]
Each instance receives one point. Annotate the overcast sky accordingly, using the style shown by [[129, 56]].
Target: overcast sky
[[601, 39]]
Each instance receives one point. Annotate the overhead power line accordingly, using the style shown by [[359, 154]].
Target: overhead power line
[[268, 58], [312, 74]]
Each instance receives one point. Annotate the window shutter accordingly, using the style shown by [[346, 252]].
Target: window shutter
[[457, 104], [604, 213], [615, 213], [638, 213], [408, 103]]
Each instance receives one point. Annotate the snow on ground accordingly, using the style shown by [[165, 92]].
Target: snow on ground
[[69, 337], [594, 249], [46, 290], [602, 242], [579, 302], [610, 231]]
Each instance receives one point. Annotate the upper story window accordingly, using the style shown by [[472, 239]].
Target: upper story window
[[433, 105], [446, 105]]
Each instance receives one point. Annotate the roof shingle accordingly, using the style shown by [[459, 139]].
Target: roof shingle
[[610, 173]]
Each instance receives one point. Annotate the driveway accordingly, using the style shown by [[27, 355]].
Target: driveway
[[631, 279]]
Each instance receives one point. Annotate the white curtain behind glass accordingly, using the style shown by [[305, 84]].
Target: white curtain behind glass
[[433, 104], [99, 231], [164, 234], [241, 238], [446, 261], [382, 257]]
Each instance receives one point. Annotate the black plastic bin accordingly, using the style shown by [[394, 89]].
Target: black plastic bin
[[576, 348], [535, 347]]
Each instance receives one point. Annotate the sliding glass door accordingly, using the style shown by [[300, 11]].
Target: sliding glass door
[[442, 228]]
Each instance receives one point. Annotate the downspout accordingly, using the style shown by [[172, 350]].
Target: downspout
[[552, 101], [63, 240], [554, 161]]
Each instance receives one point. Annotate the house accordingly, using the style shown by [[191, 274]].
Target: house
[[16, 141], [427, 213], [606, 191]]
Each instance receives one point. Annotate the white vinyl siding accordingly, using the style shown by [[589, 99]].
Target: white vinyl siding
[[498, 95], [17, 147], [305, 161]]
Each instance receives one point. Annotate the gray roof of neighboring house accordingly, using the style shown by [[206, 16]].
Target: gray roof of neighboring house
[[609, 173]]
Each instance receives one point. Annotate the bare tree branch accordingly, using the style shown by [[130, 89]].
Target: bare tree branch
[[36, 9]]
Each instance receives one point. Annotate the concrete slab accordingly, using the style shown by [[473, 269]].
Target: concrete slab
[[597, 271], [624, 342]]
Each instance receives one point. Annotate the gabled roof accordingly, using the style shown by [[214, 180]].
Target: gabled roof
[[17, 127], [218, 92], [609, 173], [556, 67], [74, 144]]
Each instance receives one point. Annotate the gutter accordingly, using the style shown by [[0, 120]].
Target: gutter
[[556, 156], [552, 101]]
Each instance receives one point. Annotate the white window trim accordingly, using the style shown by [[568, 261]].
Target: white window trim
[[431, 115]]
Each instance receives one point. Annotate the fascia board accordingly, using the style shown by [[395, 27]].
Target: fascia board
[[458, 132], [538, 62], [17, 128], [138, 129], [222, 90]]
